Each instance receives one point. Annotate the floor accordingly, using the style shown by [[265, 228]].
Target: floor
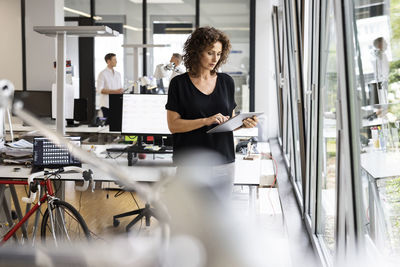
[[301, 250]]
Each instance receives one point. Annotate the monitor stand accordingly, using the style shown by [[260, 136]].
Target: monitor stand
[[134, 150], [71, 123]]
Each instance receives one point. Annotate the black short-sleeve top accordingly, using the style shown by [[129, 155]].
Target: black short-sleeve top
[[185, 99]]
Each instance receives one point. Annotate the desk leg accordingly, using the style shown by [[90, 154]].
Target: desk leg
[[35, 225], [130, 158], [380, 229], [371, 211], [18, 210], [6, 208], [252, 198], [59, 189]]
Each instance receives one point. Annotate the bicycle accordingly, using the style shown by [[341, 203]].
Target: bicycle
[[61, 222]]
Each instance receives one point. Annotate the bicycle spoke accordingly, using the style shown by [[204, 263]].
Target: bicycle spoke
[[51, 218], [63, 226], [69, 225]]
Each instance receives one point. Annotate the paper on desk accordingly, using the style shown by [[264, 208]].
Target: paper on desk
[[17, 161], [16, 152], [19, 149], [22, 143]]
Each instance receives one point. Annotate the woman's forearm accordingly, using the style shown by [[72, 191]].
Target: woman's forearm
[[182, 126]]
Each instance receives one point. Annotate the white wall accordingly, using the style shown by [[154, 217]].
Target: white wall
[[265, 89], [10, 44], [40, 49]]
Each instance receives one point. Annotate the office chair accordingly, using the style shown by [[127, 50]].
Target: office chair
[[146, 212]]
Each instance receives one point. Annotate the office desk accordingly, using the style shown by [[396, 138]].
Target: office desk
[[19, 128], [254, 173], [248, 172], [148, 170], [144, 171], [379, 169], [381, 164]]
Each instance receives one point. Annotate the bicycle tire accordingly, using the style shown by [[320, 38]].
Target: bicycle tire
[[70, 214]]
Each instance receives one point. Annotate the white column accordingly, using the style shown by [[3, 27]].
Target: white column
[[61, 53], [265, 89]]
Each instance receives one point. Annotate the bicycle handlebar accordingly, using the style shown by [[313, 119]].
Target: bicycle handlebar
[[87, 176], [32, 195]]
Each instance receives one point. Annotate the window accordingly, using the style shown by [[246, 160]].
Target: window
[[376, 102], [234, 20], [327, 137]]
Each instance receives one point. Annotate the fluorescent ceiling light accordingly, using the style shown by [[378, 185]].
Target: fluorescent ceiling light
[[234, 28], [158, 1], [132, 28], [81, 13], [179, 29], [172, 22]]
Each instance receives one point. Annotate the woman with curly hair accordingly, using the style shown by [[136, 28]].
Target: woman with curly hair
[[203, 97]]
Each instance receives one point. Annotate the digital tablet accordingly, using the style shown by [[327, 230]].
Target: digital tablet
[[233, 122]]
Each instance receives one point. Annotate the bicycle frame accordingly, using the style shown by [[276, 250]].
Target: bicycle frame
[[48, 192]]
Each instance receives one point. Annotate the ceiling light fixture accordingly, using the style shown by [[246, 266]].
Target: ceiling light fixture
[[158, 1], [81, 13], [132, 28]]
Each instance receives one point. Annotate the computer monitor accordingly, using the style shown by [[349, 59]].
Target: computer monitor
[[80, 109], [48, 155], [144, 115], [115, 113], [31, 100]]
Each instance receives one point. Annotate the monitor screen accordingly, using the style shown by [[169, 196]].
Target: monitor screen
[[48, 155], [31, 100], [115, 114], [144, 114]]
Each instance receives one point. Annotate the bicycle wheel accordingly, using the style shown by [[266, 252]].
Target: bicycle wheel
[[62, 223]]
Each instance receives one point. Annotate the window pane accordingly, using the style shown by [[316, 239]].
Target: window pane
[[76, 8], [377, 106], [294, 86], [129, 15], [170, 24], [326, 194], [233, 18]]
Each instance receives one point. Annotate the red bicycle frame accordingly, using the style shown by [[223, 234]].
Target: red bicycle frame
[[48, 192]]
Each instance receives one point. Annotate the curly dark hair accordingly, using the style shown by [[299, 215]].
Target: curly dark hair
[[201, 39]]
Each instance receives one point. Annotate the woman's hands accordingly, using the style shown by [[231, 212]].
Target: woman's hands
[[178, 125], [216, 119], [250, 122]]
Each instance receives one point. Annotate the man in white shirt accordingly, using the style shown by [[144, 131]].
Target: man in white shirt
[[108, 82], [380, 61], [178, 68], [380, 64], [174, 68]]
